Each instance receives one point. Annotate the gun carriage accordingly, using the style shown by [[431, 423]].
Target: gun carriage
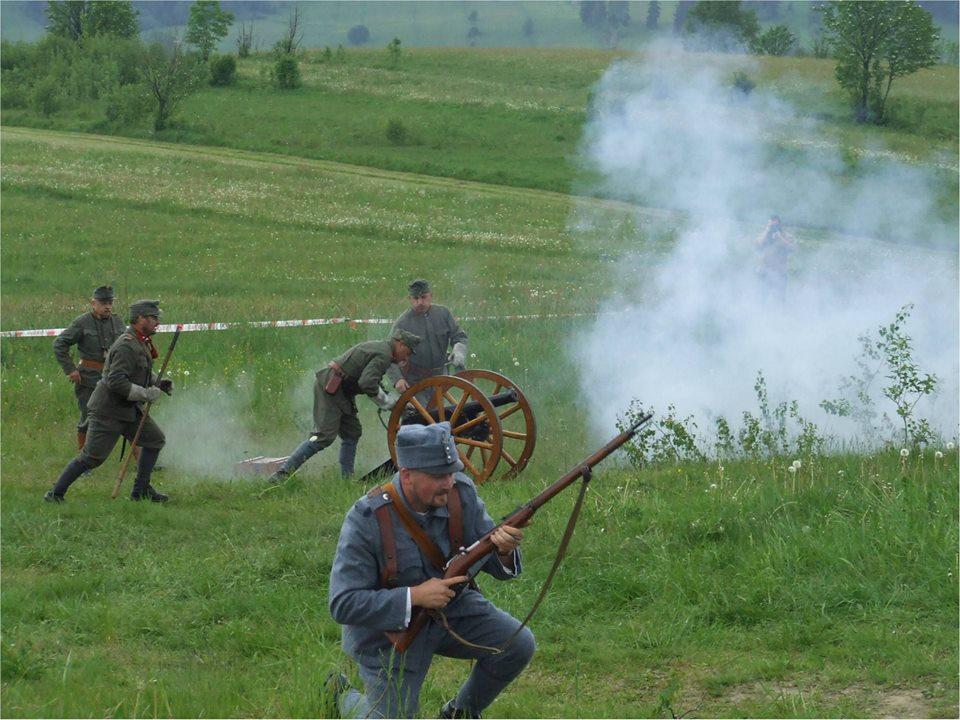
[[489, 415]]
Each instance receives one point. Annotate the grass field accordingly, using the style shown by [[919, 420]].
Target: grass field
[[693, 589]]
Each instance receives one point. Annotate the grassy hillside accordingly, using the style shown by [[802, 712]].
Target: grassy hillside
[[514, 117], [694, 589]]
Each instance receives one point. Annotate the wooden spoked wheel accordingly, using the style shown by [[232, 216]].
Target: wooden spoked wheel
[[473, 420], [519, 425]]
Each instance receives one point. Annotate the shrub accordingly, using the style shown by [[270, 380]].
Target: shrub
[[286, 72], [128, 105], [223, 70], [46, 96], [358, 35], [396, 132], [743, 83]]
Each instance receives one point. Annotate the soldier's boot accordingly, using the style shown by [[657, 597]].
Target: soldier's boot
[[452, 711], [81, 439], [74, 469], [305, 450], [348, 454], [142, 490]]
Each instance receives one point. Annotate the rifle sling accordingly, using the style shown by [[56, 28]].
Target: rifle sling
[[561, 551]]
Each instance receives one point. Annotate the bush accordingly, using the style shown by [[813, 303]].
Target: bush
[[396, 132], [128, 105], [358, 35], [286, 72], [223, 70], [743, 83], [13, 95], [46, 96]]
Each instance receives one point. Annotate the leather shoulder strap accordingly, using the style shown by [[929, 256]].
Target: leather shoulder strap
[[389, 577], [426, 545], [456, 519]]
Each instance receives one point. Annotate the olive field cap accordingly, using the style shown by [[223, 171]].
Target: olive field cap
[[147, 308], [428, 448], [418, 288], [104, 292], [407, 338]]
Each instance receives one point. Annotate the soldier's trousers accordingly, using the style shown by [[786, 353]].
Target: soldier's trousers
[[103, 433], [83, 394], [329, 421], [395, 692]]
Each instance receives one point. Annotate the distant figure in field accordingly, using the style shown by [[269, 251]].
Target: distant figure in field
[[93, 333], [442, 340], [358, 371], [116, 406], [775, 247]]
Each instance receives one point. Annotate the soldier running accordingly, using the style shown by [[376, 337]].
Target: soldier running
[[359, 370], [93, 333], [116, 406], [442, 340]]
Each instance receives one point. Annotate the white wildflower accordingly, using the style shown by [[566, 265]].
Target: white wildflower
[[950, 447], [904, 453], [713, 486], [796, 464], [791, 469], [938, 455], [186, 372]]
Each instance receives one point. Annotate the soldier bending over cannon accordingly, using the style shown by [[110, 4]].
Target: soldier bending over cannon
[[358, 370], [383, 570], [115, 406], [93, 333]]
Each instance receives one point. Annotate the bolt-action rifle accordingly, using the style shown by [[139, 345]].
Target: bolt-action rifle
[[466, 559]]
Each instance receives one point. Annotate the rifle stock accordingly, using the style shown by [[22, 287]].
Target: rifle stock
[[466, 558]]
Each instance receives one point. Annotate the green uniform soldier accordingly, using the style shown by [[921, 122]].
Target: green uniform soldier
[[359, 370], [93, 333], [116, 406], [442, 340]]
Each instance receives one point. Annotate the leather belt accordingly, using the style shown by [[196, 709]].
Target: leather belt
[[91, 364]]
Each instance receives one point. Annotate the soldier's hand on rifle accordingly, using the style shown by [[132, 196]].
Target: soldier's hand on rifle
[[401, 385], [74, 377], [143, 394], [458, 357], [507, 539], [166, 385], [435, 593], [384, 401]]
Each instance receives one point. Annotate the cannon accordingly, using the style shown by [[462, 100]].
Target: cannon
[[489, 415]]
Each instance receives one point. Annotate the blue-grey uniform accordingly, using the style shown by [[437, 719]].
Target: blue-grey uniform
[[366, 609]]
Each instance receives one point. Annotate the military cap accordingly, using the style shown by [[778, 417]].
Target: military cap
[[407, 338], [104, 292], [418, 288], [147, 308], [428, 448]]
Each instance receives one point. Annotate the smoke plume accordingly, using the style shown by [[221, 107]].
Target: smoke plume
[[687, 319]]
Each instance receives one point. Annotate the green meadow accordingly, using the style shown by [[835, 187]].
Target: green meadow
[[700, 589]]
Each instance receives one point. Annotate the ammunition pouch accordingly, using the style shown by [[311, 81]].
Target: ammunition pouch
[[334, 379]]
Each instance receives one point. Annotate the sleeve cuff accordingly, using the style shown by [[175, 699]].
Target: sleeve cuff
[[406, 617]]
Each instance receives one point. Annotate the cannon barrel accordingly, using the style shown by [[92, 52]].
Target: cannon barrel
[[468, 411]]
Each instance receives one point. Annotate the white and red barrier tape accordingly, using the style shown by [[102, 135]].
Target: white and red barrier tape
[[198, 327]]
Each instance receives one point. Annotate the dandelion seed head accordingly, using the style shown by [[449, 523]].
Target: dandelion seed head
[[938, 455], [904, 453], [796, 464], [950, 446], [791, 469]]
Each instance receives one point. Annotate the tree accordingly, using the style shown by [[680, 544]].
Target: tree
[[290, 42], [653, 15], [207, 26], [244, 40], [593, 13], [723, 23], [76, 19], [393, 52], [776, 41], [680, 15], [875, 42], [171, 75], [358, 35], [528, 28]]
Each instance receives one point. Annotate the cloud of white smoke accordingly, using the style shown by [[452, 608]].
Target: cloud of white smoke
[[690, 323]]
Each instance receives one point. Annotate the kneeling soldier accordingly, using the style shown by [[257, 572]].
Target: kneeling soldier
[[382, 571], [359, 370], [116, 406]]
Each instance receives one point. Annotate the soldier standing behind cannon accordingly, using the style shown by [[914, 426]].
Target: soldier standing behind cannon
[[93, 333], [115, 406], [359, 370], [442, 339]]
